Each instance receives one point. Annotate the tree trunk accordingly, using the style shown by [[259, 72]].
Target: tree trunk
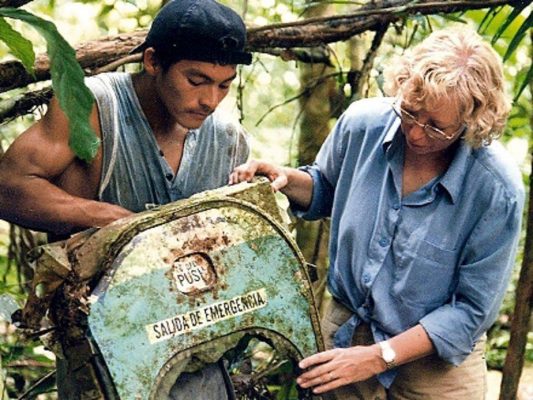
[[313, 236], [520, 326]]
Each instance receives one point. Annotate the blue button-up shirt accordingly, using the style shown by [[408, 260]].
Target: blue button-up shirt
[[440, 256]]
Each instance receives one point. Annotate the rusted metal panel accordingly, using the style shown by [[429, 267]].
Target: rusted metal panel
[[181, 285]]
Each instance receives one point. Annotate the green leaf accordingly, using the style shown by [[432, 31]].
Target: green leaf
[[75, 99], [487, 19], [19, 46], [454, 18], [519, 36], [524, 84], [512, 16]]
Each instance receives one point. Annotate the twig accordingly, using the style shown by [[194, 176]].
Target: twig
[[23, 104], [40, 381], [306, 90], [112, 66], [29, 364], [357, 87], [414, 7]]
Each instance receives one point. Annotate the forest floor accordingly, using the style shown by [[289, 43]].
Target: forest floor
[[525, 389]]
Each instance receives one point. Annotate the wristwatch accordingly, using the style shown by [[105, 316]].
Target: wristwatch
[[388, 354]]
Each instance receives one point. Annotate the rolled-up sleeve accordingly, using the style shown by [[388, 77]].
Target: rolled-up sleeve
[[325, 170], [322, 197], [483, 276]]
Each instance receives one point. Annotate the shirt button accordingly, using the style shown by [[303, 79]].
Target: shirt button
[[169, 176], [383, 242], [366, 278], [396, 206]]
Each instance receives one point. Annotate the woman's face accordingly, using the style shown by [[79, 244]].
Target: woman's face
[[431, 130]]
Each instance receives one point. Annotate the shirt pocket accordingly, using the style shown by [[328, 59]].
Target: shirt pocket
[[424, 277]]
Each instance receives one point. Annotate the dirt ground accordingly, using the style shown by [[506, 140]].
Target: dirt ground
[[525, 390]]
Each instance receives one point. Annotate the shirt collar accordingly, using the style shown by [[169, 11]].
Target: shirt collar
[[452, 180], [392, 129]]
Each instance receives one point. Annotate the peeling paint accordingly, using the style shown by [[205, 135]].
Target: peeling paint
[[175, 265]]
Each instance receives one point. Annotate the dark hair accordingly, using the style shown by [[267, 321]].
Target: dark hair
[[166, 59]]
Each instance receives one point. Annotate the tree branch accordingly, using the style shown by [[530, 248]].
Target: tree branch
[[321, 30], [23, 104], [91, 56], [282, 39], [306, 33]]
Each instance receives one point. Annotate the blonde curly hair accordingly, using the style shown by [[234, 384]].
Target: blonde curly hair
[[457, 64]]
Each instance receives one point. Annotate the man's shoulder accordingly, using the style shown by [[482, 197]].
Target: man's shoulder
[[107, 83], [109, 77]]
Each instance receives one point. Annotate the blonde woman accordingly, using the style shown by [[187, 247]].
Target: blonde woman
[[425, 214]]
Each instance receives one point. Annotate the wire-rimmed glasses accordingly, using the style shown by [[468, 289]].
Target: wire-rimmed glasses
[[433, 132]]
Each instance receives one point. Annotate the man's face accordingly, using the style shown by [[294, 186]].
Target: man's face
[[191, 90]]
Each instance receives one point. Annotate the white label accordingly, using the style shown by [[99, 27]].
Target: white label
[[193, 273], [205, 316]]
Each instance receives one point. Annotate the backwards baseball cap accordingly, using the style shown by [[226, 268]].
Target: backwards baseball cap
[[201, 30]]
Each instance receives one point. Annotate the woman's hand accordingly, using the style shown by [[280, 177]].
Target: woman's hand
[[247, 171], [338, 367], [295, 184]]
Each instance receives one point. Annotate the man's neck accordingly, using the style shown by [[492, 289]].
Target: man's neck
[[159, 118], [168, 133]]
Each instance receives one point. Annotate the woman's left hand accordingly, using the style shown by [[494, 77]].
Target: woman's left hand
[[338, 367]]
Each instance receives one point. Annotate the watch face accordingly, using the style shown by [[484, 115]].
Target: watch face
[[389, 355]]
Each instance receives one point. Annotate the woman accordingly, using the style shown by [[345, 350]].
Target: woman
[[425, 217]]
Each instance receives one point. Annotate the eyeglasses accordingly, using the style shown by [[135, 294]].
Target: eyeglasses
[[430, 130]]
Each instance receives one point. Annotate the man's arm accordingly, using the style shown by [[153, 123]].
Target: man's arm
[[45, 187]]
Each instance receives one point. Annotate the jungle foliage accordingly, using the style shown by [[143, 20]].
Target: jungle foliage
[[266, 101]]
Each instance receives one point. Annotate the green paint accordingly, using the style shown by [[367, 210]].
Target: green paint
[[150, 285]]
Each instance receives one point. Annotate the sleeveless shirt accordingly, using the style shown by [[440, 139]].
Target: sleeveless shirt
[[135, 174]]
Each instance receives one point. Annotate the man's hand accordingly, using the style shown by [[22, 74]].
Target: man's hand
[[338, 367], [247, 171], [105, 213]]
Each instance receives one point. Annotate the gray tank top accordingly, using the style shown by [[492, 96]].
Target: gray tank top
[[136, 176], [135, 173]]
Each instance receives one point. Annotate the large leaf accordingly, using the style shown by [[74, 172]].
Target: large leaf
[[488, 18], [517, 38], [19, 46], [75, 99], [508, 21], [525, 82]]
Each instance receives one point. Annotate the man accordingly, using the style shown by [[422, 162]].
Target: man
[[160, 141]]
